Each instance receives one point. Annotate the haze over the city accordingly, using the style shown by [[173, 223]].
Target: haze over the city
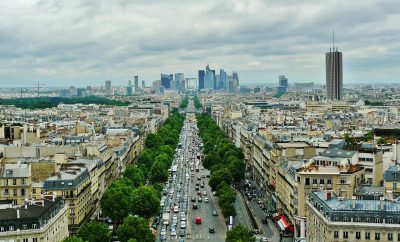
[[62, 43]]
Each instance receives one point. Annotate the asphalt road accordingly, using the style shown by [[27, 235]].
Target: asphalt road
[[183, 183]]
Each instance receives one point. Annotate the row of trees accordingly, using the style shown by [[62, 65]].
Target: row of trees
[[128, 201], [224, 160], [197, 103], [133, 229], [50, 102], [185, 102]]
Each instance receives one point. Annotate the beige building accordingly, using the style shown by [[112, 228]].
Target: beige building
[[74, 186], [336, 219], [43, 220], [15, 182]]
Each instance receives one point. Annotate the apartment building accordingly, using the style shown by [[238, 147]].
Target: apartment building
[[337, 219], [74, 187], [15, 182], [43, 220]]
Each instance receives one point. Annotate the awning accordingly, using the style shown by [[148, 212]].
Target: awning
[[291, 228], [281, 225], [284, 221]]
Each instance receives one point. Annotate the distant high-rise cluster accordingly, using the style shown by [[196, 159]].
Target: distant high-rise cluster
[[208, 80]]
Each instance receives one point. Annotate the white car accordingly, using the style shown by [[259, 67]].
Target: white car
[[173, 231], [206, 200], [204, 193], [183, 216], [176, 209], [183, 225]]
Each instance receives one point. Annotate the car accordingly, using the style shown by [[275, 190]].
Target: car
[[176, 209], [214, 193], [173, 231], [199, 199], [198, 178], [204, 193], [193, 199], [181, 240], [256, 231], [194, 206], [199, 193], [198, 220], [202, 185], [264, 220], [214, 213], [183, 225], [264, 239], [208, 175], [182, 233], [197, 188], [206, 200], [203, 176], [211, 230], [163, 231], [163, 237]]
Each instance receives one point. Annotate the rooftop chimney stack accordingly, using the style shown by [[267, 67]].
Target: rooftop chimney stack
[[382, 200], [353, 202]]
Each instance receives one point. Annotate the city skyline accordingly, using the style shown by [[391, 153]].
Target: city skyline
[[74, 43]]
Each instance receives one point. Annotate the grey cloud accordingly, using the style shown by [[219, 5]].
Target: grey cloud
[[70, 41]]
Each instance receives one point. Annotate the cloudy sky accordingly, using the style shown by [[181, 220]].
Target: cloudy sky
[[71, 42]]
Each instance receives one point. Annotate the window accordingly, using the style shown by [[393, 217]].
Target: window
[[377, 236], [329, 181], [2, 229], [358, 235], [321, 181], [345, 235], [34, 240], [367, 220], [6, 192], [23, 181], [24, 226], [367, 235], [307, 181], [389, 221], [377, 220], [346, 219], [11, 228], [335, 234], [398, 237], [394, 186], [343, 181], [34, 226], [394, 174], [358, 219], [314, 181], [22, 192], [15, 192], [390, 236], [34, 190], [14, 181], [24, 240]]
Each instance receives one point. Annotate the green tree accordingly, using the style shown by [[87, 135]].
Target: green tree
[[219, 176], [236, 168], [158, 172], [135, 175], [152, 141], [94, 231], [116, 201], [135, 228], [73, 239], [239, 233], [146, 159], [211, 159], [165, 159], [145, 202], [166, 149]]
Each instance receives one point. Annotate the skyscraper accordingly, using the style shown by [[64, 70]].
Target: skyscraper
[[108, 88], [209, 79], [222, 79], [334, 74], [136, 83], [202, 75], [166, 80], [283, 81]]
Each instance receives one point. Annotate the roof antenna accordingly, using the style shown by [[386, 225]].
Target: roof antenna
[[333, 37]]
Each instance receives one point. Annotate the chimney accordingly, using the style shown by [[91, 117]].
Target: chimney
[[382, 200], [389, 195], [328, 195], [18, 214], [353, 202]]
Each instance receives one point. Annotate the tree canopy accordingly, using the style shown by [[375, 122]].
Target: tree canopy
[[94, 231], [135, 175], [240, 233], [145, 202], [73, 239], [136, 228]]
